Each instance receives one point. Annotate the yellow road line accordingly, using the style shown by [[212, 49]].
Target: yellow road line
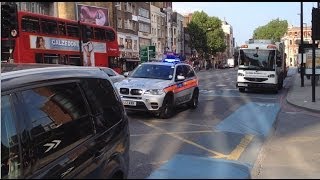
[[186, 141], [178, 132], [236, 153]]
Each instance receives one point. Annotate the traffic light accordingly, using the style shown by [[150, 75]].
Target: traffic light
[[316, 24], [9, 20]]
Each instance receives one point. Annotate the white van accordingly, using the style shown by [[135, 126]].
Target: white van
[[230, 62]]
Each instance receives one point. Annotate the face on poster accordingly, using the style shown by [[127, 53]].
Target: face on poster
[[94, 15]]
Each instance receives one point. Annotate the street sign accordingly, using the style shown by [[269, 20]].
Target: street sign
[[143, 53], [147, 53]]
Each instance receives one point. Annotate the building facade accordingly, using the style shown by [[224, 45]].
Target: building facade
[[178, 31], [229, 40], [158, 29], [144, 21], [291, 40], [126, 25]]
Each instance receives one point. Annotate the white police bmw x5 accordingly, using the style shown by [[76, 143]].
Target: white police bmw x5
[[159, 87]]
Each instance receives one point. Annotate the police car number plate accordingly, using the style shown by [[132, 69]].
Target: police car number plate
[[129, 103], [242, 84]]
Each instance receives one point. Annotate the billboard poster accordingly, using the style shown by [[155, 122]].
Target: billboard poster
[[52, 43], [93, 14], [309, 61]]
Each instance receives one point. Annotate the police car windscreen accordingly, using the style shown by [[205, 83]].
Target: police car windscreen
[[153, 71]]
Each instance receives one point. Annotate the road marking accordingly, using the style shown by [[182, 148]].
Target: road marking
[[186, 123], [236, 153], [186, 141], [303, 139], [168, 133], [235, 96], [221, 85]]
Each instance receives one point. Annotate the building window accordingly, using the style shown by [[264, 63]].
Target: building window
[[120, 41], [118, 5], [119, 23], [144, 13], [35, 7], [290, 42], [128, 24], [133, 9], [129, 43], [144, 27], [128, 7], [135, 45]]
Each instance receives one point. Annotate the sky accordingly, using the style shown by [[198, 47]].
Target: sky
[[245, 17]]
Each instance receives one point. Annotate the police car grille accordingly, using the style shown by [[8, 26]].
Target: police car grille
[[124, 91], [136, 91]]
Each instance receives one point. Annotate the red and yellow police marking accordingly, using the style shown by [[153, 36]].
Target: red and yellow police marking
[[185, 85]]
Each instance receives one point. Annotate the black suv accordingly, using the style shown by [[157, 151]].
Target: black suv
[[62, 122]]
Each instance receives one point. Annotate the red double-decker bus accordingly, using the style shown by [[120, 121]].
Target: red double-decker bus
[[46, 39]]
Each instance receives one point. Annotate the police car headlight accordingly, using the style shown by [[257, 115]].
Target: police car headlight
[[154, 91]]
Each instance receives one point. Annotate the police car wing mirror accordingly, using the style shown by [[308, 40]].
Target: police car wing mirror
[[180, 78], [126, 74]]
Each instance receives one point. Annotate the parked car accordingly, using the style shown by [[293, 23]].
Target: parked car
[[114, 76], [158, 87], [61, 122]]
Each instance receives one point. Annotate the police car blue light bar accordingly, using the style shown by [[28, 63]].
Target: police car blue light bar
[[171, 60]]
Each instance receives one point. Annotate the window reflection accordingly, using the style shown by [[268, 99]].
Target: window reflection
[[56, 113], [10, 160]]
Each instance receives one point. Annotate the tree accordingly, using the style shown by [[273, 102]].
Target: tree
[[274, 30], [203, 40], [215, 36]]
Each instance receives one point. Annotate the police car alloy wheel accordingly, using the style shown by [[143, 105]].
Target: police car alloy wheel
[[194, 100], [166, 109]]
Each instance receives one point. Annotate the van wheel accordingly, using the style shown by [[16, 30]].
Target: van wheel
[[167, 108], [241, 89], [193, 103]]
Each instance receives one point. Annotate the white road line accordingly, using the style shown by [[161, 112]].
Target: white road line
[[235, 96], [186, 123], [169, 133]]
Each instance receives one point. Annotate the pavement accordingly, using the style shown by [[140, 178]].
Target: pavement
[[292, 151], [302, 96]]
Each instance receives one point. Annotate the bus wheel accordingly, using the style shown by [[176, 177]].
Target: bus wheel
[[241, 89]]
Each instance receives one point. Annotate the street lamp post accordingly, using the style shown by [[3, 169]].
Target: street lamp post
[[301, 45]]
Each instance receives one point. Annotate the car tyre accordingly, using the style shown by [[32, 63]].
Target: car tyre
[[167, 108], [242, 89], [193, 103]]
